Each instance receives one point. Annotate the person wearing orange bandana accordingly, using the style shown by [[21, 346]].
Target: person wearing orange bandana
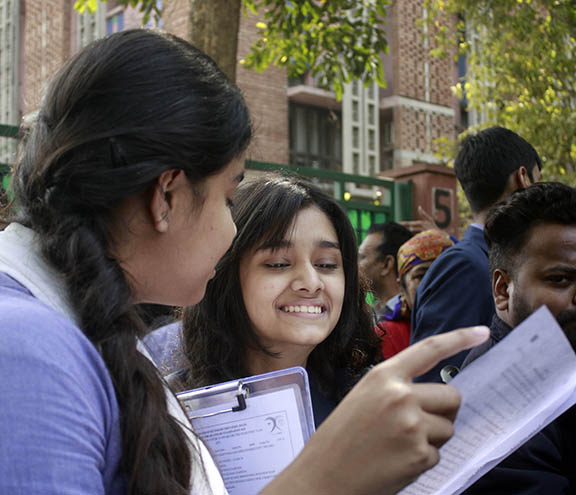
[[414, 258]]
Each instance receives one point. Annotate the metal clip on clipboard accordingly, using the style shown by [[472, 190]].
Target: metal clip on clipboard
[[241, 396]]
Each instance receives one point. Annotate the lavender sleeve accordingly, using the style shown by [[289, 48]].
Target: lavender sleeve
[[59, 418]]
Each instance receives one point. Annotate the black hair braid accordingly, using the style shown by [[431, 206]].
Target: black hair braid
[[117, 115], [101, 297], [153, 463], [155, 455]]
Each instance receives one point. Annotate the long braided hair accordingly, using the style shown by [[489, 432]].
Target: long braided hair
[[117, 115]]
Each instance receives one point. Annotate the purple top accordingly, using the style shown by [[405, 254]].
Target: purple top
[[59, 419]]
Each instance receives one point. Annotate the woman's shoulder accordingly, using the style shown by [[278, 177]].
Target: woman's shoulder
[[54, 387], [33, 330], [39, 347]]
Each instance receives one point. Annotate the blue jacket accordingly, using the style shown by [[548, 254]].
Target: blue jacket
[[456, 292]]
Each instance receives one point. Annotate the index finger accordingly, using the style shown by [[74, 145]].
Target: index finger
[[411, 223], [418, 226], [426, 216], [424, 355]]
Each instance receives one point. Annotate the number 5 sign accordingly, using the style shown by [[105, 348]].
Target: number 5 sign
[[442, 206]]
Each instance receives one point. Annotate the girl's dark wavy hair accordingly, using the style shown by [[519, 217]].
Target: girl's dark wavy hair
[[218, 329], [117, 115]]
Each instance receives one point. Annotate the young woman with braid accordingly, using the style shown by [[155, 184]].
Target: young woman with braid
[[131, 163], [122, 197]]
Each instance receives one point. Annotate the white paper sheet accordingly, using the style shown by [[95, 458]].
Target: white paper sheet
[[252, 446], [508, 394]]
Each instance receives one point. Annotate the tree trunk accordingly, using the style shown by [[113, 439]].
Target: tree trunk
[[213, 28]]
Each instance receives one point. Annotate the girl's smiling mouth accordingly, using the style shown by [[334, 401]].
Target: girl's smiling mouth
[[303, 308]]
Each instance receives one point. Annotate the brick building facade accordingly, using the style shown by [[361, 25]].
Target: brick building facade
[[295, 121]]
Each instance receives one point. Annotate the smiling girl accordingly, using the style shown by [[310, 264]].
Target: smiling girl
[[285, 294]]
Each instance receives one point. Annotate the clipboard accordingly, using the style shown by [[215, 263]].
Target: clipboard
[[254, 427]]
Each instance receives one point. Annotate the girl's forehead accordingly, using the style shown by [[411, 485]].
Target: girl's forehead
[[310, 220]]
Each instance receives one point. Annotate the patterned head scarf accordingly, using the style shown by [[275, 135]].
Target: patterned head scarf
[[425, 246]]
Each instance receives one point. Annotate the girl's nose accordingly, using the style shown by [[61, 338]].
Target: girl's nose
[[307, 278]]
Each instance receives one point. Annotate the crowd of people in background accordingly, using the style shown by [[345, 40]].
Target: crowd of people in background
[[519, 254], [128, 193]]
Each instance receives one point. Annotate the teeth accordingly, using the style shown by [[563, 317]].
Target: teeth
[[302, 309]]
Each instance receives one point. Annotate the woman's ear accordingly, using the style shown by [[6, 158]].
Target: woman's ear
[[162, 202], [501, 287]]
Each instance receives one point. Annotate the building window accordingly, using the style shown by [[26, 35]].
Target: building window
[[315, 137], [115, 23], [387, 134], [91, 26]]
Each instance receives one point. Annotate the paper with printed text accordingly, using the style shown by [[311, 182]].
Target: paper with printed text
[[508, 394], [252, 446]]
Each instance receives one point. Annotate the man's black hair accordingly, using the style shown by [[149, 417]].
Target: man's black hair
[[393, 236], [508, 224], [487, 159]]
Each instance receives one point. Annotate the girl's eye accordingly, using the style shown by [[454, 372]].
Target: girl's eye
[[327, 266], [276, 265]]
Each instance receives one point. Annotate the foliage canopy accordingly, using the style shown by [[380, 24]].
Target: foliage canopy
[[336, 40], [521, 57]]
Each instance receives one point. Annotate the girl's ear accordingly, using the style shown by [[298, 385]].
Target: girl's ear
[[162, 201]]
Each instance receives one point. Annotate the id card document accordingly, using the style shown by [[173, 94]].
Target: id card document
[[509, 394], [252, 445]]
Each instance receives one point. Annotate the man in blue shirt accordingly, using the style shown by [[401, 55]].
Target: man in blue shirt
[[456, 290]]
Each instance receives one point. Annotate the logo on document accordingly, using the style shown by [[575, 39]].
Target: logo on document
[[275, 423]]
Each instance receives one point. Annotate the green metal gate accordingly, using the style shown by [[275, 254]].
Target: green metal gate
[[8, 147], [366, 199]]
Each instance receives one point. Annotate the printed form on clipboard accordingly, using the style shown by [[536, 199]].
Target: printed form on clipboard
[[254, 426]]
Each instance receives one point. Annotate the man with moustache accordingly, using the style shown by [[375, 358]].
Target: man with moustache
[[532, 241], [377, 264]]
